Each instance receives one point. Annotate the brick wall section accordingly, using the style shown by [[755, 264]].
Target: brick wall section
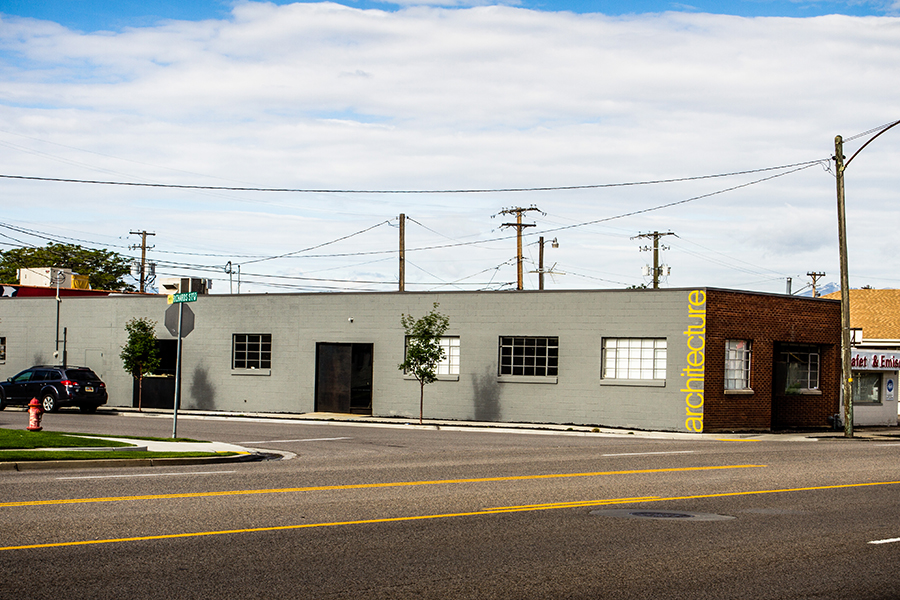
[[766, 320]]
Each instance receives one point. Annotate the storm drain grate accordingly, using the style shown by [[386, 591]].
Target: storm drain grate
[[630, 513]]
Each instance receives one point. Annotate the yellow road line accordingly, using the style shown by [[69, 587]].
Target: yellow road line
[[488, 511], [359, 486]]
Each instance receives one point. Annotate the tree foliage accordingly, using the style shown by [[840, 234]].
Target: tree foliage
[[423, 348], [105, 270], [140, 355]]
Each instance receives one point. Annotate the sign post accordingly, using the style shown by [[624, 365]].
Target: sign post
[[182, 331]]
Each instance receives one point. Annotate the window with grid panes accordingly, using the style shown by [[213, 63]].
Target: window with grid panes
[[797, 368], [449, 365], [529, 356], [634, 358], [737, 365], [252, 351]]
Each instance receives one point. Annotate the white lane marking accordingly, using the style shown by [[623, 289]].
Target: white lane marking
[[651, 453], [291, 441], [145, 475], [888, 541]]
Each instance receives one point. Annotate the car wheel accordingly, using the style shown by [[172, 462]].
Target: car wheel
[[2, 402], [50, 403], [88, 409]]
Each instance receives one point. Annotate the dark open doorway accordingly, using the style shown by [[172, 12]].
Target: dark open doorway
[[159, 388], [344, 378]]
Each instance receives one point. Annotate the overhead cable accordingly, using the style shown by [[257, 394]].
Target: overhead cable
[[445, 191]]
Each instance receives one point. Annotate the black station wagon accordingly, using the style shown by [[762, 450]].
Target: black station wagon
[[55, 387]]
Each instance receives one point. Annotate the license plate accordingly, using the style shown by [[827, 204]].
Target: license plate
[[88, 388]]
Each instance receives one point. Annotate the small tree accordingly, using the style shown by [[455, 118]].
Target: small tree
[[140, 355], [423, 348]]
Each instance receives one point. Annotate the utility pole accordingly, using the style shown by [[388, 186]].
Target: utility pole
[[143, 248], [402, 252], [656, 268], [815, 279], [846, 372], [519, 227], [541, 270]]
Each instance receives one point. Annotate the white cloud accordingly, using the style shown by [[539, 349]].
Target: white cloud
[[325, 96]]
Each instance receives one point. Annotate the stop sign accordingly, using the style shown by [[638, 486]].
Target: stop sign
[[187, 323]]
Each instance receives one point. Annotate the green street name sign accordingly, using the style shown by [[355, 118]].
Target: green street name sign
[[184, 297]]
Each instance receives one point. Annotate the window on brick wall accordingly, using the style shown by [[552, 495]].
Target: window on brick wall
[[634, 358], [737, 365], [251, 351], [797, 369]]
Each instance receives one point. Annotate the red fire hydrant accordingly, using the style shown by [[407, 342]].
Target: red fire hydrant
[[35, 412]]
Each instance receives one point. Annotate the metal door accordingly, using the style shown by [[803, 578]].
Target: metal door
[[344, 378]]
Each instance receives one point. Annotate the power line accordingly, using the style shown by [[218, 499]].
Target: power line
[[760, 270], [444, 191], [459, 244], [595, 278], [319, 245], [873, 130], [676, 203], [208, 268]]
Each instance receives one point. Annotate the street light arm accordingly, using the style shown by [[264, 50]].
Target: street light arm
[[872, 139]]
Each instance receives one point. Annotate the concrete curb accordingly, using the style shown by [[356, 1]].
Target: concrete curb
[[41, 465]]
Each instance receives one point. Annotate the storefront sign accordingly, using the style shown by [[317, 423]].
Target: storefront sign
[[889, 386], [874, 361], [696, 361]]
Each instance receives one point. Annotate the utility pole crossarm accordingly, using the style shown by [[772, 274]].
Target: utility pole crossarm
[[815, 279]]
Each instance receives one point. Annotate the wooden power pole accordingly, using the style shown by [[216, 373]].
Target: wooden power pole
[[656, 268], [519, 225], [143, 248], [402, 252], [815, 279]]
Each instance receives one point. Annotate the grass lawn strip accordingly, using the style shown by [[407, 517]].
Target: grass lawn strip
[[18, 445], [31, 455], [24, 440]]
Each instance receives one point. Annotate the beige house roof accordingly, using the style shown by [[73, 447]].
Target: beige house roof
[[876, 312]]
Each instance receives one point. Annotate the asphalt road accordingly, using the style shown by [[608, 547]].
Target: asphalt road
[[403, 512]]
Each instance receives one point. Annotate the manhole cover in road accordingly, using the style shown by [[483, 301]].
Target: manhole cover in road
[[630, 513]]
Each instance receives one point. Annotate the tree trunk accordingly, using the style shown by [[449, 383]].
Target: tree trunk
[[140, 389], [421, 399]]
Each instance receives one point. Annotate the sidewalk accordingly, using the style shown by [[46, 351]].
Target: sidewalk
[[343, 419], [340, 419]]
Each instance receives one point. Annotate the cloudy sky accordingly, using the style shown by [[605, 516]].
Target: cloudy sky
[[714, 121]]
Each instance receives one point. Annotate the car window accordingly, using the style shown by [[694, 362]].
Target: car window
[[81, 375], [46, 375], [23, 377]]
